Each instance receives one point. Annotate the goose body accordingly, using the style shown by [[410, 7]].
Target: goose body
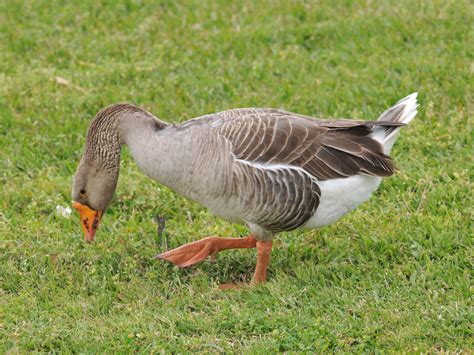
[[270, 169]]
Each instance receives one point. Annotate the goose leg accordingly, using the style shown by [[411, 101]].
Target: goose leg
[[264, 248], [192, 253]]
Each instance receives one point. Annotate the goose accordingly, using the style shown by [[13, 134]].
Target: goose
[[271, 169]]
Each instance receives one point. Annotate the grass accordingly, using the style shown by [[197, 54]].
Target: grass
[[396, 274]]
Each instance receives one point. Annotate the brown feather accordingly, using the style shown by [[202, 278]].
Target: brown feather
[[326, 149]]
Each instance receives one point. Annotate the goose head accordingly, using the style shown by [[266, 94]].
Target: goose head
[[96, 176], [93, 189]]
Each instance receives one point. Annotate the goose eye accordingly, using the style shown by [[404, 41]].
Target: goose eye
[[82, 193]]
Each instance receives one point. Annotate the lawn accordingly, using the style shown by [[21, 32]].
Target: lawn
[[396, 274]]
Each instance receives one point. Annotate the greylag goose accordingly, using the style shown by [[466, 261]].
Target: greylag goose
[[270, 169]]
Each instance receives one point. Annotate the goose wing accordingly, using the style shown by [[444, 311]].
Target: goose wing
[[326, 149]]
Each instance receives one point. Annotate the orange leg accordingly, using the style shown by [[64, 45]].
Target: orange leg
[[264, 248], [192, 253]]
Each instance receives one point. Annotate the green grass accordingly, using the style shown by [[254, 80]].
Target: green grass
[[396, 274]]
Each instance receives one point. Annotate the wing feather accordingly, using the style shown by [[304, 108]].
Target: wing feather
[[326, 149]]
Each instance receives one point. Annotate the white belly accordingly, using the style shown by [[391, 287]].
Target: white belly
[[340, 196]]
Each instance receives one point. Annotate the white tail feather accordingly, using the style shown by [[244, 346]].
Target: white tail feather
[[403, 111]]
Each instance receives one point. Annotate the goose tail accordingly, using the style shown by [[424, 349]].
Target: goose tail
[[402, 112]]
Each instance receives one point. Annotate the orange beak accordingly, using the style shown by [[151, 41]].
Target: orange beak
[[90, 220]]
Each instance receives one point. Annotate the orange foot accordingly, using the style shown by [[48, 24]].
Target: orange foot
[[192, 253]]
